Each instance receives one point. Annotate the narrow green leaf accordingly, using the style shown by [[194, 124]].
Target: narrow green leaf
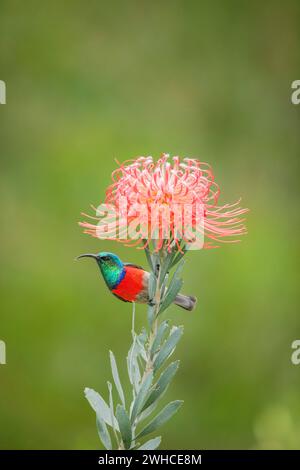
[[173, 288], [155, 263], [172, 291], [141, 349], [136, 374], [148, 256], [142, 337], [100, 407], [151, 286], [124, 425], [179, 256], [140, 344], [159, 337], [113, 419], [179, 269], [166, 413], [130, 358], [162, 383], [103, 433], [141, 396], [132, 364], [165, 267], [168, 347], [147, 412], [164, 286], [152, 444], [116, 377]]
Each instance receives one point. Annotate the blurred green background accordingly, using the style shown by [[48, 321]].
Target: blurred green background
[[91, 81]]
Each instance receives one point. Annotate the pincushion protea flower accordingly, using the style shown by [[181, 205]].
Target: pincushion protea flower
[[164, 190]]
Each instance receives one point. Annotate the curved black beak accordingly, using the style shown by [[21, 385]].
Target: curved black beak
[[88, 255]]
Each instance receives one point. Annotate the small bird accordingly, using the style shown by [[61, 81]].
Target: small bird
[[129, 282]]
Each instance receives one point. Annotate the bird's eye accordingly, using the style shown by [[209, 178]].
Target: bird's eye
[[105, 258]]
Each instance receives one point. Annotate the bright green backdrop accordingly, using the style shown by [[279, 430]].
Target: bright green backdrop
[[90, 81]]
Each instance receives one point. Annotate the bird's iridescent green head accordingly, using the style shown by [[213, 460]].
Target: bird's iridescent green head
[[110, 266]]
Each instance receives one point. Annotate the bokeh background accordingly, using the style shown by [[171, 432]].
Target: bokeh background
[[91, 81]]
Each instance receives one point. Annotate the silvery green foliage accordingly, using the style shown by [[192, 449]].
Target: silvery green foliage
[[121, 425]]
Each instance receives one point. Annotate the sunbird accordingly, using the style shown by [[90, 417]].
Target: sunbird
[[129, 282]]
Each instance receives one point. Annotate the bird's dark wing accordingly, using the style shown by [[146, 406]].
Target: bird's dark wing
[[134, 266]]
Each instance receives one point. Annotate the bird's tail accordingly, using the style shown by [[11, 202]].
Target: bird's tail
[[188, 302]]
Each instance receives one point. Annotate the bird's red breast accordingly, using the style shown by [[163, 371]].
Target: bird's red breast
[[133, 284]]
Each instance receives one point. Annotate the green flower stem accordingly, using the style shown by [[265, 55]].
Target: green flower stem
[[154, 326]]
